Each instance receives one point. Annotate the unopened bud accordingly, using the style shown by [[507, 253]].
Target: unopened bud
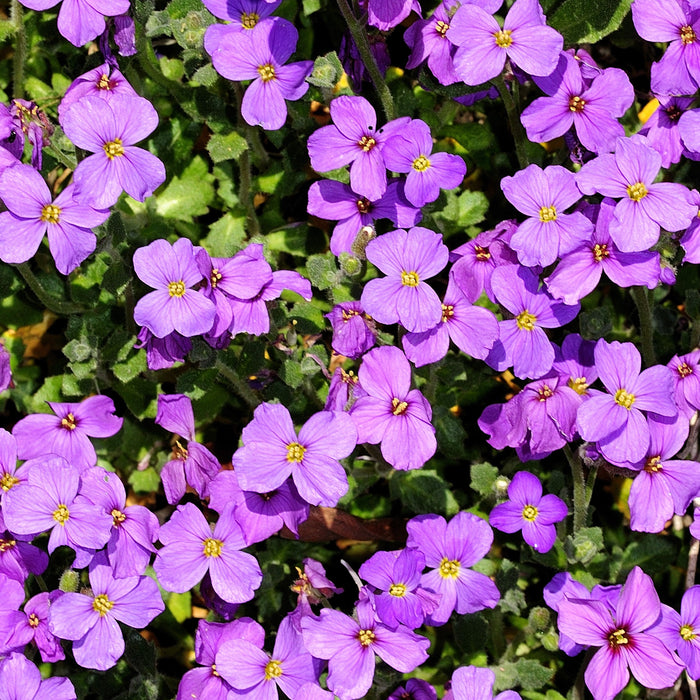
[[364, 236], [539, 618], [70, 580], [349, 264]]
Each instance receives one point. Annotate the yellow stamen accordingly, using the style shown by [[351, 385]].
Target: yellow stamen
[[117, 517], [687, 632], [398, 407], [687, 34], [273, 669], [637, 191], [624, 399], [397, 589], [579, 385], [366, 637], [249, 19], [410, 279], [295, 452], [576, 104], [618, 638], [529, 513], [441, 28], [544, 393], [503, 38], [600, 252], [548, 214], [114, 149], [525, 321], [7, 481], [447, 312], [421, 164], [61, 514], [102, 604], [212, 547], [177, 289], [366, 143], [266, 72], [50, 213], [449, 568], [69, 422]]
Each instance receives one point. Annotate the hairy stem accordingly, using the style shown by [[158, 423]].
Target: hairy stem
[[360, 38], [245, 175], [240, 386], [582, 490], [646, 329], [20, 55], [516, 128], [63, 308]]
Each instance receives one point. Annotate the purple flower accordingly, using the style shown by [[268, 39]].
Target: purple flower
[[663, 131], [14, 631], [450, 549], [575, 362], [162, 353], [241, 14], [528, 510], [686, 381], [20, 679], [645, 205], [194, 464], [351, 139], [105, 81], [678, 71], [260, 56], [398, 595], [109, 130], [192, 549], [67, 432], [624, 636], [343, 391], [523, 342], [580, 270], [18, 559], [543, 195], [385, 14], [391, 413], [36, 610], [329, 199], [206, 682], [272, 451], [255, 674], [81, 21], [410, 151], [50, 501], [354, 332], [414, 689], [350, 646], [615, 420], [680, 632], [408, 258], [32, 212], [91, 621], [472, 683], [592, 108], [483, 46], [172, 271]]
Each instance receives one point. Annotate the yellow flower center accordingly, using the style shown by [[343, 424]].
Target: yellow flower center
[[363, 205], [61, 514], [273, 669], [7, 545], [637, 191], [104, 82], [687, 34], [624, 399], [684, 369], [529, 513], [449, 568], [576, 104], [618, 638], [398, 590], [653, 464], [366, 637], [503, 38], [176, 289], [350, 313], [398, 407], [600, 252], [548, 214], [266, 72], [117, 517], [366, 143], [441, 28], [212, 547], [525, 321], [421, 164], [114, 149], [447, 312], [482, 254], [295, 452], [50, 213], [544, 393], [102, 604], [69, 422], [249, 19], [215, 277], [578, 384], [33, 621], [687, 633], [7, 481], [409, 279]]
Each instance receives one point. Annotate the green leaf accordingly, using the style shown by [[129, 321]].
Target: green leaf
[[291, 374], [311, 6], [532, 674], [180, 605], [322, 270], [146, 481], [584, 545], [585, 22], [423, 491], [327, 70], [189, 195], [226, 146], [7, 29], [483, 478], [653, 554]]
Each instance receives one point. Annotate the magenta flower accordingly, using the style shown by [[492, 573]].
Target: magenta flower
[[109, 130], [18, 559], [354, 332], [408, 258], [544, 195], [528, 510], [483, 46], [32, 212], [624, 636], [350, 646], [105, 81], [272, 451], [411, 151], [686, 381], [174, 306], [680, 632], [414, 689], [91, 621], [391, 413], [67, 432], [450, 549], [20, 679], [260, 56], [192, 549], [473, 683], [615, 420]]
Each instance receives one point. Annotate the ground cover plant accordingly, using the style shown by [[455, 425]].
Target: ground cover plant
[[349, 349]]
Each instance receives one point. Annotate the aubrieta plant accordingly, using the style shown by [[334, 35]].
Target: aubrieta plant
[[349, 349]]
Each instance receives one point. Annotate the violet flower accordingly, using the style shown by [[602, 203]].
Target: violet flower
[[473, 683], [528, 510], [414, 689], [105, 81], [20, 679], [686, 381], [260, 56], [18, 559], [680, 632], [663, 132], [354, 332]]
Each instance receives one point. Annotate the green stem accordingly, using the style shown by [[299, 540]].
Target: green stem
[[63, 308], [360, 38], [239, 385], [245, 176], [646, 328], [581, 499], [516, 128], [61, 157], [20, 55]]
